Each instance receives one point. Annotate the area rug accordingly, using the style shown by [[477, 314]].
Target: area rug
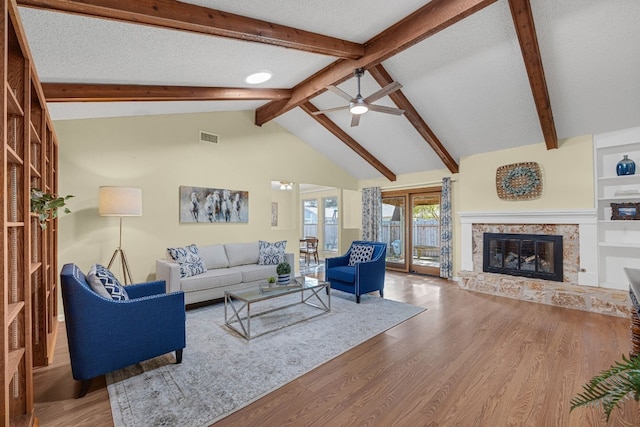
[[221, 372]]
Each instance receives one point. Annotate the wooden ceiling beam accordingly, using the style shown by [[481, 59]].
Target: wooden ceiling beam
[[328, 124], [424, 22], [380, 74], [197, 19], [525, 28], [81, 92]]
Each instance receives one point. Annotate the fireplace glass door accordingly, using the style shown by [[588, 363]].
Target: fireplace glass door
[[529, 255]]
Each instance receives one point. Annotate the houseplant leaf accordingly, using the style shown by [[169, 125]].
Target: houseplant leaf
[[611, 387]]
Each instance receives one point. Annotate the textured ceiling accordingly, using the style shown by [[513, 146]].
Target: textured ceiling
[[468, 82]]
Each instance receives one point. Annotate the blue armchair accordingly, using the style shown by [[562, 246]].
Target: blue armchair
[[105, 335], [361, 278]]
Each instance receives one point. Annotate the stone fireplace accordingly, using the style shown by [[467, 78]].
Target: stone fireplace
[[576, 275]]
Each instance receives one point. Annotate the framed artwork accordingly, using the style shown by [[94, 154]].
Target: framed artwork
[[211, 205], [274, 214], [625, 211]]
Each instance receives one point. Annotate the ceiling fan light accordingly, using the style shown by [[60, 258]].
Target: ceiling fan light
[[358, 109]]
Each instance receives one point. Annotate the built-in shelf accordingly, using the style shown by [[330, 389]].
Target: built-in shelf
[[631, 245], [14, 310], [35, 137], [628, 197], [34, 266], [28, 138], [617, 147], [618, 240], [12, 156], [622, 179], [14, 359], [13, 106]]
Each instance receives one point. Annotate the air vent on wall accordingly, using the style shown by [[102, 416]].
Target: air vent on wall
[[209, 137]]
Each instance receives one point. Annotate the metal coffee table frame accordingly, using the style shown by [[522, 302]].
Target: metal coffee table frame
[[237, 305]]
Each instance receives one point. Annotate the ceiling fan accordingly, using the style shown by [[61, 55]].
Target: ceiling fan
[[359, 105]]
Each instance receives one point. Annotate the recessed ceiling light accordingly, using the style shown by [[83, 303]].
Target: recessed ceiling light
[[259, 77]]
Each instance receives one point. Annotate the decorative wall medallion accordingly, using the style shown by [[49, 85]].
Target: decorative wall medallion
[[519, 181]]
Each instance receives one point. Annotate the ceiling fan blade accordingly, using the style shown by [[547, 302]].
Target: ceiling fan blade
[[391, 87], [388, 110], [340, 93], [330, 110], [355, 119]]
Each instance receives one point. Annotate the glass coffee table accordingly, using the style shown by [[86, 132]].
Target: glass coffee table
[[241, 307]]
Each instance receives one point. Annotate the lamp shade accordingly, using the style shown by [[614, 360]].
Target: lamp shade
[[120, 201]]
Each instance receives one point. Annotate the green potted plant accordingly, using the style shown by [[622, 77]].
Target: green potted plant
[[284, 273], [46, 205], [271, 281], [611, 387]]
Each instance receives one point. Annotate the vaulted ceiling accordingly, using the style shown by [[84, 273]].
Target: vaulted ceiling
[[476, 75]]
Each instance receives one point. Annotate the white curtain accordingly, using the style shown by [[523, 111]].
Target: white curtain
[[371, 214]]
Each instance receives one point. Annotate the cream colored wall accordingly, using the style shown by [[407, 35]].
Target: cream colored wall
[[567, 175], [160, 153], [287, 212], [352, 209]]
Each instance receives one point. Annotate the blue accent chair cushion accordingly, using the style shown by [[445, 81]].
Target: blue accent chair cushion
[[363, 276], [106, 335]]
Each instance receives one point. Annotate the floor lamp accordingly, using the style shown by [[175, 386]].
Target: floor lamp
[[120, 201]]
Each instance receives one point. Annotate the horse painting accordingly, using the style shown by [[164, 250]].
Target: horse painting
[[195, 206], [216, 205], [236, 206], [212, 206], [226, 205]]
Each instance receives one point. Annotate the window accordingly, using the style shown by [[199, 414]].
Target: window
[[330, 209], [310, 215]]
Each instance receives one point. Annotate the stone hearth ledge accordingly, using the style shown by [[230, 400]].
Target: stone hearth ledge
[[611, 302]]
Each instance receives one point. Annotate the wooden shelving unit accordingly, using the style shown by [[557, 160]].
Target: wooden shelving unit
[[29, 253]]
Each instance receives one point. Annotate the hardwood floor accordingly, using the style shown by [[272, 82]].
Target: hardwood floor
[[469, 360]]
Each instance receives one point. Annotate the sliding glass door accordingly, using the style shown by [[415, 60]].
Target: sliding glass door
[[411, 230], [425, 233], [394, 231]]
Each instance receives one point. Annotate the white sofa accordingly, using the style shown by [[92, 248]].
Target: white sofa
[[230, 266]]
